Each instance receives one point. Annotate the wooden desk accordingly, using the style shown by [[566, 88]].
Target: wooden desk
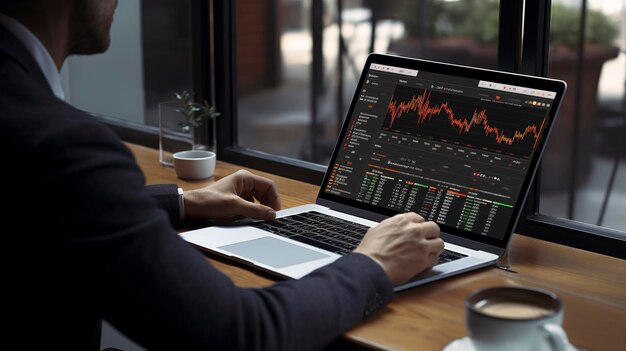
[[592, 286]]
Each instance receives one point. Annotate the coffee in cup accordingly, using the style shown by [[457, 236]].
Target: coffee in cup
[[515, 318], [502, 308]]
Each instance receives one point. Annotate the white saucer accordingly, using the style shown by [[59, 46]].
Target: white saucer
[[462, 344], [466, 344]]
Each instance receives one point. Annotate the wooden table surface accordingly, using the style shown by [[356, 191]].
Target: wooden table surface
[[592, 286]]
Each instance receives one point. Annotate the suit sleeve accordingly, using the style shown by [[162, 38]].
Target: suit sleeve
[[166, 197], [121, 250]]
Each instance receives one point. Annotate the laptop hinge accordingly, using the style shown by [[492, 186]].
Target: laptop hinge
[[372, 216], [472, 244]]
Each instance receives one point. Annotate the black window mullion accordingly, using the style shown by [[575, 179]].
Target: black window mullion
[[225, 76], [535, 62], [529, 57], [536, 38], [224, 33], [510, 35]]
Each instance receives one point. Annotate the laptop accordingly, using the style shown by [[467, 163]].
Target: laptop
[[456, 144]]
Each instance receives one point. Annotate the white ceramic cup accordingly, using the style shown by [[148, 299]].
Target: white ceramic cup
[[515, 318], [194, 164]]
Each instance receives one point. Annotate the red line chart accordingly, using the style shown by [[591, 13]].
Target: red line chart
[[458, 119]]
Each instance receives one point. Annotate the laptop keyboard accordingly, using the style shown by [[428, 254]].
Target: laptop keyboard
[[328, 233], [320, 230]]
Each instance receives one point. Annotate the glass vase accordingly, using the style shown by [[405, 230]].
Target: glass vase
[[203, 135], [175, 133]]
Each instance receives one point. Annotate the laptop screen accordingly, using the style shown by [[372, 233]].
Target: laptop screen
[[456, 145]]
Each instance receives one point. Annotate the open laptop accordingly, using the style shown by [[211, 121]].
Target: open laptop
[[457, 145]]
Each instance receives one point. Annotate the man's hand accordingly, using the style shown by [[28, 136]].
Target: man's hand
[[234, 197], [403, 245]]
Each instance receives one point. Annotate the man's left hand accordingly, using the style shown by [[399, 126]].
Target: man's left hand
[[234, 197]]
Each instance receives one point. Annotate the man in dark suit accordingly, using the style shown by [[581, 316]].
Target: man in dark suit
[[89, 241]]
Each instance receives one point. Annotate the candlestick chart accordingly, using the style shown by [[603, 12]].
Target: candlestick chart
[[473, 122]]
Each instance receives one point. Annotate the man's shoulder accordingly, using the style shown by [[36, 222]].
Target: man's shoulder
[[26, 100], [31, 113], [12, 49]]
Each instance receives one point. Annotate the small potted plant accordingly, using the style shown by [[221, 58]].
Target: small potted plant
[[196, 115], [185, 124]]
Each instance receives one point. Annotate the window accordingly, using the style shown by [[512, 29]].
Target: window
[[149, 59], [298, 62], [286, 70], [584, 171], [569, 212]]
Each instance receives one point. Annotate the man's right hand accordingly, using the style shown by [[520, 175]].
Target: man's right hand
[[403, 245]]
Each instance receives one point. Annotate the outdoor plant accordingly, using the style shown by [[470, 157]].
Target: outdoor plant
[[195, 113], [564, 28], [478, 20]]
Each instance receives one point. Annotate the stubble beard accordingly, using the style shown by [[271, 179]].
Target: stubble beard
[[90, 27]]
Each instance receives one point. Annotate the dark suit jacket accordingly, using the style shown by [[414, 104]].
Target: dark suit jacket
[[88, 243]]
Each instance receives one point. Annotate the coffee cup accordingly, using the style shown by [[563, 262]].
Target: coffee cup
[[515, 318], [194, 164]]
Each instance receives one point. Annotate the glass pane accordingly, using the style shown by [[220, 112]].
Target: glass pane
[[584, 170], [277, 61], [149, 59]]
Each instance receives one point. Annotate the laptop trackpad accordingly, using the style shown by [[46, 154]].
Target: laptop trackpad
[[273, 252]]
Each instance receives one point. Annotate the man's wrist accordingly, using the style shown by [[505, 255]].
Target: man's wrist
[[181, 204]]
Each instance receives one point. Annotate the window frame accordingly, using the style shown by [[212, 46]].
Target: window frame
[[532, 223], [226, 102], [224, 30], [215, 80]]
